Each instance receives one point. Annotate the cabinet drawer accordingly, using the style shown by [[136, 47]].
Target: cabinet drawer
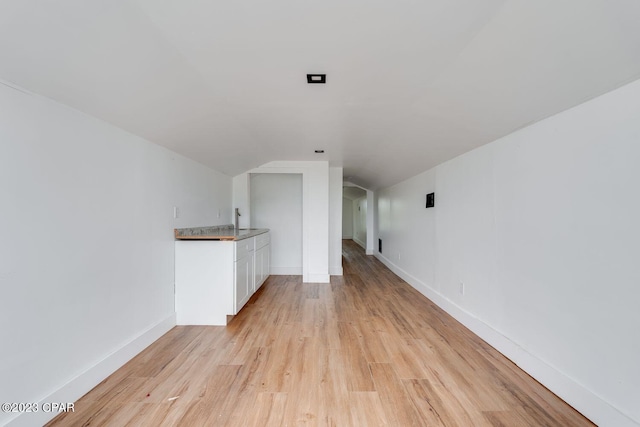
[[243, 247], [262, 240]]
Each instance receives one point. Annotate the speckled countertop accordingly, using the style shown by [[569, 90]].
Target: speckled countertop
[[217, 232]]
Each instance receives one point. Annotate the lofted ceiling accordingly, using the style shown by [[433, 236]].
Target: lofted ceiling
[[410, 83]]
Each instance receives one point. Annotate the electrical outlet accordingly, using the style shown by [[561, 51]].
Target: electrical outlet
[[175, 212], [218, 213], [462, 288], [398, 256]]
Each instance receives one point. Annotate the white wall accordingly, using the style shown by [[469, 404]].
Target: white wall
[[315, 211], [361, 226], [276, 204], [360, 221], [86, 255], [369, 224], [335, 221], [543, 229], [347, 218]]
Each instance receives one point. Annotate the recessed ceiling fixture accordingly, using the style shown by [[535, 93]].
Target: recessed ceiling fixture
[[319, 151], [316, 78]]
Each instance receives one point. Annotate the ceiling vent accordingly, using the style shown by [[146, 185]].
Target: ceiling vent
[[316, 78]]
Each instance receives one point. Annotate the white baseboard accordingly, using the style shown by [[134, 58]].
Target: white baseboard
[[85, 381], [360, 242], [318, 278], [336, 270], [582, 399], [309, 278], [285, 271], [370, 252]]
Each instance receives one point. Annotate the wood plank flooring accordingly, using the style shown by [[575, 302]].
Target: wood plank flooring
[[364, 350]]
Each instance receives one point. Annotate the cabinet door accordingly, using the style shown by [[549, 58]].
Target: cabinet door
[[266, 271], [243, 282], [262, 264], [259, 267], [257, 271]]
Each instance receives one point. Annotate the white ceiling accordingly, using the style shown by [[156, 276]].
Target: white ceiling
[[353, 193], [410, 83]]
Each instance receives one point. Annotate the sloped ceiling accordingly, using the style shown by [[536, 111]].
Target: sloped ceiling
[[410, 83], [353, 193]]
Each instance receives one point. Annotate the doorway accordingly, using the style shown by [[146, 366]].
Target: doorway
[[276, 204], [354, 215]]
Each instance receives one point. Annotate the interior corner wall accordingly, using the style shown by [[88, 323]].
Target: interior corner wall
[[360, 221], [370, 220], [276, 204], [347, 218], [315, 211], [87, 252], [335, 221], [541, 230], [241, 200], [375, 221]]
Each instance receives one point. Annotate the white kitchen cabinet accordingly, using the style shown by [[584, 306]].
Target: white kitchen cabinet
[[215, 278], [244, 277]]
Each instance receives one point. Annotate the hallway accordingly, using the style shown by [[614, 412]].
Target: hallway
[[365, 350]]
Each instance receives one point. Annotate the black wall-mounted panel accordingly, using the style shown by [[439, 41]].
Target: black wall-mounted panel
[[431, 200]]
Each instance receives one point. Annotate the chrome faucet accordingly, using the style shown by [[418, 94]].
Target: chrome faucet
[[237, 216]]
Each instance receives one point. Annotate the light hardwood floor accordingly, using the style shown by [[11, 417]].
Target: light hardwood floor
[[365, 350]]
